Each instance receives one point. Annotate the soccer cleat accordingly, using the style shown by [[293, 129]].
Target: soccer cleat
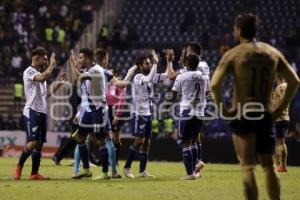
[[116, 175], [198, 174], [280, 168], [145, 174], [200, 165], [17, 173], [38, 177], [55, 160], [102, 176], [128, 173], [188, 177], [86, 173]]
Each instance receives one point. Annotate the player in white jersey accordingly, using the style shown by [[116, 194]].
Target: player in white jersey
[[192, 48], [92, 117], [191, 85], [35, 111], [141, 114]]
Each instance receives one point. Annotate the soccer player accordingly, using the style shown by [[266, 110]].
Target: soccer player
[[253, 66], [141, 114], [91, 118], [35, 111], [192, 48], [281, 125], [115, 100], [100, 135], [102, 58], [192, 86]]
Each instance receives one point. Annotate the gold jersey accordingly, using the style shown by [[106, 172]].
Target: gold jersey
[[277, 97], [253, 65]]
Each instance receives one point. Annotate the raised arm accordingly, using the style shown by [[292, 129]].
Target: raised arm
[[170, 71], [74, 66], [47, 73], [150, 76], [292, 80]]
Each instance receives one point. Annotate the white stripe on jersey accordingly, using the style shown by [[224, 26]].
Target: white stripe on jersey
[[193, 88], [35, 92]]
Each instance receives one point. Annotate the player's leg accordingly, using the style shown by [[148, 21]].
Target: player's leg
[[265, 145], [271, 179], [36, 154], [185, 141], [245, 149], [280, 148], [117, 142], [76, 166], [144, 152], [26, 151], [138, 130], [102, 154], [64, 148], [144, 148]]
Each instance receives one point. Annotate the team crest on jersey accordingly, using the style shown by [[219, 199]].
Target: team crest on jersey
[[142, 126], [31, 72], [34, 128]]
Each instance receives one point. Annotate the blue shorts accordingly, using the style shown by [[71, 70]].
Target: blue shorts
[[263, 129], [36, 126], [189, 126], [95, 123], [281, 128], [141, 126]]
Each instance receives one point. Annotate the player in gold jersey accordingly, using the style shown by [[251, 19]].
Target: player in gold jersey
[[253, 66], [281, 125]]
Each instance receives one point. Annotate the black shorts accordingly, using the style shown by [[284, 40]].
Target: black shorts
[[281, 128], [262, 128], [111, 114]]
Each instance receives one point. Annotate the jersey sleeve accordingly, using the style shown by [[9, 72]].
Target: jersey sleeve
[[31, 73], [177, 84], [108, 75]]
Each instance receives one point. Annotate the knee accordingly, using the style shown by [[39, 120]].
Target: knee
[[33, 145], [80, 139]]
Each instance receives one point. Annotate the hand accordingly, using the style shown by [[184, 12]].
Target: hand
[[52, 60], [154, 56], [182, 57], [73, 59], [63, 76], [76, 120], [115, 121], [170, 55]]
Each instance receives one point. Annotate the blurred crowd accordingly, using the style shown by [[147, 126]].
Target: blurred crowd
[[56, 25]]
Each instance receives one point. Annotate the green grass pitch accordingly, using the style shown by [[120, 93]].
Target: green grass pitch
[[219, 181]]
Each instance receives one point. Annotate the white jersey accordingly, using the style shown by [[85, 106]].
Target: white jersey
[[143, 93], [204, 68], [35, 92], [93, 89], [191, 85]]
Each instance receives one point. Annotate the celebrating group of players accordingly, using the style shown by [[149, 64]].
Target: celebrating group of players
[[254, 66]]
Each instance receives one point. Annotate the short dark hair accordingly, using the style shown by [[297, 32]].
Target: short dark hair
[[39, 51], [196, 47], [192, 61], [100, 54], [87, 52], [248, 23], [140, 60]]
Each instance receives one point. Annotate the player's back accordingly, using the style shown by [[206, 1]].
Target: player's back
[[192, 86], [254, 65]]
